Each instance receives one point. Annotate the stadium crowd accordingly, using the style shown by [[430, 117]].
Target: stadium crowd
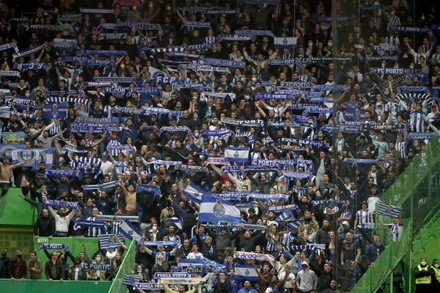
[[151, 109]]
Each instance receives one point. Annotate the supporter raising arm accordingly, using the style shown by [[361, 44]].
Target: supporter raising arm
[[130, 198], [62, 220]]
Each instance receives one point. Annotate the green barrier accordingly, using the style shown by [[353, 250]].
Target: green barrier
[[415, 192], [126, 267], [74, 243], [426, 245], [14, 210], [38, 286]]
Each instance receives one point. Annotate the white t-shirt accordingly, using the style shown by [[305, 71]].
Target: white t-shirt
[[372, 200]]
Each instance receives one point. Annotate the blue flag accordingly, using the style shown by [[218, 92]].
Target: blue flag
[[148, 188], [237, 154], [246, 273], [388, 210], [215, 210]]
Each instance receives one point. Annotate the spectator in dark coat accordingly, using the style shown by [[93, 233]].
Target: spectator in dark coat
[[17, 267]]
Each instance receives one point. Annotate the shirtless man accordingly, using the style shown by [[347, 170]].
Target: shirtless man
[[6, 173], [130, 199]]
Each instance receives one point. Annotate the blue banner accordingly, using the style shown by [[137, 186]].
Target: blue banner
[[36, 155]]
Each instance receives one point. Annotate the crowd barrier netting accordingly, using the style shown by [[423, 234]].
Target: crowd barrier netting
[[416, 190]]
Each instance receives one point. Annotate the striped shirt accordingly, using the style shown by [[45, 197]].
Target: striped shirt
[[363, 218], [55, 129], [114, 143], [417, 121], [396, 231], [401, 148], [93, 231]]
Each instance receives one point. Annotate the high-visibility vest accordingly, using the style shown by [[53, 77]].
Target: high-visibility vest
[[425, 279], [437, 273]]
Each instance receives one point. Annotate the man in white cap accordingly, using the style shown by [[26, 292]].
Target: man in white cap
[[306, 280]]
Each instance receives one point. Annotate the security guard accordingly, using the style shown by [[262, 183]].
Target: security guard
[[422, 274], [435, 278]]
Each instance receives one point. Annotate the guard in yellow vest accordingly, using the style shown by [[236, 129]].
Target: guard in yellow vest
[[435, 278], [422, 274]]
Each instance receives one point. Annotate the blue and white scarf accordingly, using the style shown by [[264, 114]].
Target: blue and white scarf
[[246, 205], [181, 54], [61, 204], [318, 110], [87, 128], [117, 218], [291, 61], [397, 71], [191, 168], [92, 266], [112, 36], [249, 123], [160, 111], [261, 196], [115, 79], [105, 242], [173, 129], [420, 135], [69, 99], [147, 286], [207, 133], [96, 11], [359, 161], [299, 175], [86, 161], [222, 63], [67, 148], [252, 255], [166, 50], [308, 247], [97, 62], [196, 47], [160, 243], [298, 84], [33, 66], [321, 100], [232, 195], [105, 52], [9, 73], [69, 17], [280, 209], [105, 185], [198, 24], [9, 46], [273, 97], [144, 90], [219, 95], [410, 29], [167, 163], [131, 279], [66, 173], [217, 161], [23, 101], [57, 246], [235, 38], [219, 10], [91, 224], [254, 32], [108, 121], [120, 148]]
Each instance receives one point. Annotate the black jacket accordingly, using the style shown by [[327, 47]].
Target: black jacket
[[44, 226], [224, 287]]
